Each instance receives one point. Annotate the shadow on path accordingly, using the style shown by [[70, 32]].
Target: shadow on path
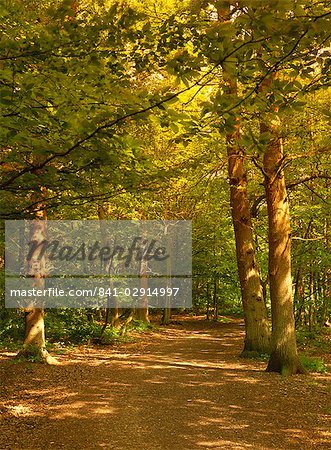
[[183, 387]]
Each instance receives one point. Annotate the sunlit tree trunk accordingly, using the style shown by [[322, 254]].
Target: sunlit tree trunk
[[34, 346], [284, 357], [257, 336], [257, 332]]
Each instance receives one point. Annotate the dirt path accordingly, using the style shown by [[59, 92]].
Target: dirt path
[[181, 388]]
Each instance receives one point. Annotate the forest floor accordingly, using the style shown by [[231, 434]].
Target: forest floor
[[180, 387]]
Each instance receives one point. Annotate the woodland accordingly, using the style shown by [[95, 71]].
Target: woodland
[[216, 112]]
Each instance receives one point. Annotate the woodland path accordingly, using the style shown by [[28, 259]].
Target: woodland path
[[183, 387]]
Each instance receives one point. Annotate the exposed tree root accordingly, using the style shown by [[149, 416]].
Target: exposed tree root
[[38, 355]]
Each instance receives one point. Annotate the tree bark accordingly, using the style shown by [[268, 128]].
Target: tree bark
[[284, 357], [299, 298], [34, 346], [141, 313], [257, 332], [257, 338], [111, 312], [208, 301], [166, 316], [312, 303]]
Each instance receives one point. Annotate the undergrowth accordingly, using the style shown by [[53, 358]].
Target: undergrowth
[[313, 364]]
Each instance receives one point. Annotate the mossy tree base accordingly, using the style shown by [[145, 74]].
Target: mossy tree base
[[260, 347], [284, 365], [253, 354], [32, 353]]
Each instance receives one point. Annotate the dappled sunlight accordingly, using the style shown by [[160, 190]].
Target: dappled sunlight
[[184, 389], [82, 409], [220, 443], [18, 410], [7, 355]]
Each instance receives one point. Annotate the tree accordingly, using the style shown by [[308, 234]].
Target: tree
[[107, 104], [257, 332], [34, 345], [284, 356]]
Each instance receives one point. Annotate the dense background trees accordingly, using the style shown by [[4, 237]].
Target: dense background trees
[[191, 110]]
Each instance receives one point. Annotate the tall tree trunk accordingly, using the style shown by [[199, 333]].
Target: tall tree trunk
[[166, 316], [326, 295], [257, 332], [34, 346], [215, 304], [141, 313], [208, 301], [299, 287], [312, 303], [112, 313], [284, 357], [257, 336], [326, 287], [215, 297], [299, 298]]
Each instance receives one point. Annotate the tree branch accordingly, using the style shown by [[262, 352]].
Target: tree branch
[[257, 202], [117, 121]]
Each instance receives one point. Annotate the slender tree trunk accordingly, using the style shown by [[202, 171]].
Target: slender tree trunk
[[326, 295], [326, 288], [167, 310], [113, 312], [299, 297], [312, 305], [208, 300], [299, 287], [284, 357], [34, 346], [215, 297], [215, 304], [141, 312], [166, 316]]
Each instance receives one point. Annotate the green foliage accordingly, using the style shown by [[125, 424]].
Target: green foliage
[[70, 327], [313, 364], [317, 339], [112, 335], [66, 327], [254, 355], [11, 328], [223, 319], [31, 353], [108, 104], [233, 310], [142, 327]]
